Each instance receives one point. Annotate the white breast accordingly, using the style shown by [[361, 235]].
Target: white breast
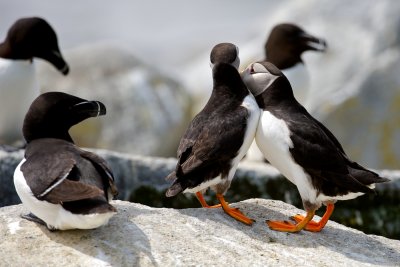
[[273, 139], [18, 88], [300, 82], [252, 124], [54, 214]]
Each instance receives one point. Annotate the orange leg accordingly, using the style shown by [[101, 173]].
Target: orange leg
[[285, 226], [234, 212], [203, 202], [314, 226]]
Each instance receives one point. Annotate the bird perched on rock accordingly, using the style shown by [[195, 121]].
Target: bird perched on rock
[[63, 186], [28, 38], [303, 149], [284, 47], [219, 136]]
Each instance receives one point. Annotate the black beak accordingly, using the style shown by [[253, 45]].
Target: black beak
[[314, 43], [90, 108], [57, 60]]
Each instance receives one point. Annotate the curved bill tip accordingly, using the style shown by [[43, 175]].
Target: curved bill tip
[[64, 70]]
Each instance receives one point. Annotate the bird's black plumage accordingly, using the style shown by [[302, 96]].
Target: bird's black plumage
[[84, 176], [224, 53], [33, 37], [215, 135], [287, 42], [303, 149], [315, 148], [57, 177]]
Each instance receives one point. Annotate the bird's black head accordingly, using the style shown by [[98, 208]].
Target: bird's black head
[[287, 42], [52, 114], [33, 37], [225, 53]]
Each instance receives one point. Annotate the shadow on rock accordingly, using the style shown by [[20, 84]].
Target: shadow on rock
[[121, 242]]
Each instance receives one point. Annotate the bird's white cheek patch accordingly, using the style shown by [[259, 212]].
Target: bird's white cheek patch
[[257, 83]]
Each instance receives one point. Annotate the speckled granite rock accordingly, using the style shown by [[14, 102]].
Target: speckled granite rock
[[142, 236]]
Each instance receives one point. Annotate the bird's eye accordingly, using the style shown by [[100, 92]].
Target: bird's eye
[[251, 69]]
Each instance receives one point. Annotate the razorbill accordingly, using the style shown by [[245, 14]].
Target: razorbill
[[63, 186], [216, 140], [284, 47], [27, 38], [303, 149]]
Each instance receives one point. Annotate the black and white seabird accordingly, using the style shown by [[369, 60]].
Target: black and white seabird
[[27, 38], [284, 47], [303, 149], [217, 139], [63, 186]]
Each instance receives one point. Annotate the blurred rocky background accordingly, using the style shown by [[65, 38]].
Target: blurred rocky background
[[148, 62]]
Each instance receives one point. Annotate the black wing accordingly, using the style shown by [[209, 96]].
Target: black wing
[[319, 152], [216, 144], [52, 170], [103, 168]]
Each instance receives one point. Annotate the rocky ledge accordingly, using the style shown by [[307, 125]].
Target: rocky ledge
[[141, 180], [142, 236]]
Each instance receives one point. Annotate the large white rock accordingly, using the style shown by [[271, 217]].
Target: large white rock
[[146, 110], [142, 236]]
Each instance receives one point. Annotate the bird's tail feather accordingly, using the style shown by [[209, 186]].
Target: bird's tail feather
[[367, 177], [175, 189], [171, 177]]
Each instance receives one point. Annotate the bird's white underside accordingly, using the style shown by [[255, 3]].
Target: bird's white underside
[[55, 216]]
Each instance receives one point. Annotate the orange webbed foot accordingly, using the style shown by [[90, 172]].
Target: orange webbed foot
[[285, 226], [234, 212], [314, 226], [203, 202]]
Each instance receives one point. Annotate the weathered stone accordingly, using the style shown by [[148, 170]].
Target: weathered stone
[[8, 163], [130, 171], [141, 179], [142, 236], [147, 111]]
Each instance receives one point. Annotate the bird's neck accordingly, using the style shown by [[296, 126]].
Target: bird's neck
[[283, 61], [273, 97]]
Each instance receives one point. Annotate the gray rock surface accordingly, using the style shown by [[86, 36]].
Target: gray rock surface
[[133, 171], [8, 163], [146, 110], [142, 236]]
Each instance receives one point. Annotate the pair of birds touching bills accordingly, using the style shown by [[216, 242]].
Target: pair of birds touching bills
[[65, 187]]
